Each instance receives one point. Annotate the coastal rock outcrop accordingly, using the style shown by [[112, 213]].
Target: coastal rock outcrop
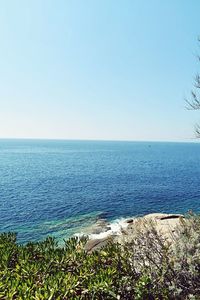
[[165, 225], [95, 244]]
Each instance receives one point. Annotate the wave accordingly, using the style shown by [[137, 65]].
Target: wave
[[101, 231]]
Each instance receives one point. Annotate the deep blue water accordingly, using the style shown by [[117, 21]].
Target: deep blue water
[[56, 187]]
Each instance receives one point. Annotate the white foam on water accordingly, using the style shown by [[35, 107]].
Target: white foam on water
[[79, 235], [116, 228]]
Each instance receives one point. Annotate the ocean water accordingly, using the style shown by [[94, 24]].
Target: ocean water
[[59, 187]]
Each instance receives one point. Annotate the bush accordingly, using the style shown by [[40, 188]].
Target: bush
[[170, 266], [147, 267]]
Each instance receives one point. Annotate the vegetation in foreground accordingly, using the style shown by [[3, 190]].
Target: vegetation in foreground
[[149, 267]]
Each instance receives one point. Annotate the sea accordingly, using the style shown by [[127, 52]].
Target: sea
[[58, 188]]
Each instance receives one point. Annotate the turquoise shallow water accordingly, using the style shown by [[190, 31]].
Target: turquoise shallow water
[[58, 187]]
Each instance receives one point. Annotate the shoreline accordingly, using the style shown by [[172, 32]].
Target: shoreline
[[121, 231]]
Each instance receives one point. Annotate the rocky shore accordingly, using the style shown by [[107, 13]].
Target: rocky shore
[[164, 224]]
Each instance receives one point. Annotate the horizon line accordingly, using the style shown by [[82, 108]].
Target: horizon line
[[192, 140]]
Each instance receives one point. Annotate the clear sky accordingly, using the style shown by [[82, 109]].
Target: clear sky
[[98, 69]]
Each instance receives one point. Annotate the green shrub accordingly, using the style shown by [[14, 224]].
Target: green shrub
[[147, 267]]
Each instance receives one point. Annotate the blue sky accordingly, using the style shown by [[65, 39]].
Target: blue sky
[[98, 69]]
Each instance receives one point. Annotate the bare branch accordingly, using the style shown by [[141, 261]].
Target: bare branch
[[194, 103], [197, 81], [197, 130]]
